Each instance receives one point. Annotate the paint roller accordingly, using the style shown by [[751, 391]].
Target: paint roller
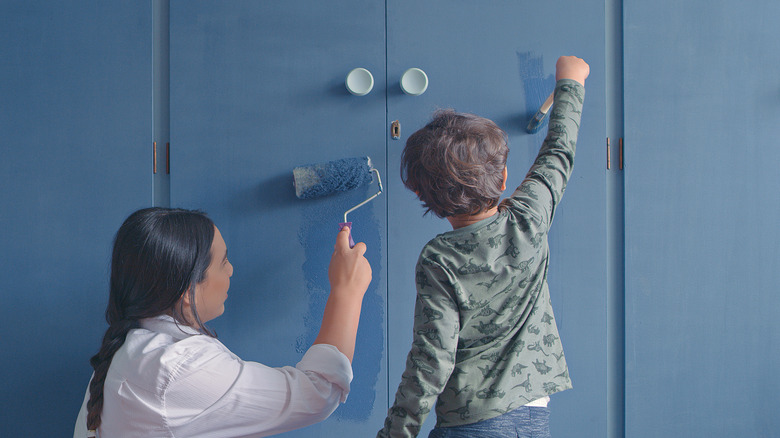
[[318, 180], [536, 121]]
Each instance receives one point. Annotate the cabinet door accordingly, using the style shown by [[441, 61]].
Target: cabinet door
[[75, 88], [702, 263], [497, 59], [257, 88]]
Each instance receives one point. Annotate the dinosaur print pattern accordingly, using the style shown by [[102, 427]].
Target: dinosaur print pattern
[[485, 336], [466, 247], [495, 241], [492, 392], [489, 284], [471, 268], [431, 314], [511, 251]]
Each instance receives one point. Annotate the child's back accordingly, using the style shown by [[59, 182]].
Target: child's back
[[485, 338]]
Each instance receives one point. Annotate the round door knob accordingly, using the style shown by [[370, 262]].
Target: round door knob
[[414, 82], [359, 81]]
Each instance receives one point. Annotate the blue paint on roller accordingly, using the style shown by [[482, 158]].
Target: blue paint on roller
[[317, 180]]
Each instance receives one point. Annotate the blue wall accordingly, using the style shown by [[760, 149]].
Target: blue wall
[[75, 92], [670, 332]]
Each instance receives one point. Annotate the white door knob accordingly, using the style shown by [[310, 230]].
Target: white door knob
[[359, 81], [414, 82]]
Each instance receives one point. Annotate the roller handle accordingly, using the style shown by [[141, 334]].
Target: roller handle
[[348, 224]]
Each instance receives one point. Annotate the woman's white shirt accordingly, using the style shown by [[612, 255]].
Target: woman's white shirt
[[168, 380]]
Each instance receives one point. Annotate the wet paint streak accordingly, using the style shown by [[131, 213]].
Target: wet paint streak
[[317, 235], [536, 85]]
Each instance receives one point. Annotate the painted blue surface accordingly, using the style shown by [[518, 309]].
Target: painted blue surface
[[496, 59], [257, 88], [702, 105], [536, 87], [317, 238], [615, 235], [75, 129], [161, 111]]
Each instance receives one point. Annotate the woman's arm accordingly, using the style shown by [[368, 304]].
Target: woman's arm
[[350, 275]]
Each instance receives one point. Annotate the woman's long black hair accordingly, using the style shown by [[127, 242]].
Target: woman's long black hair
[[159, 254]]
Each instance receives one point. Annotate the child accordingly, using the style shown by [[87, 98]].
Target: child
[[486, 347]]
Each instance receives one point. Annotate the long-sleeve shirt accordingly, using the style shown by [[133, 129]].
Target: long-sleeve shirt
[[485, 340], [169, 380]]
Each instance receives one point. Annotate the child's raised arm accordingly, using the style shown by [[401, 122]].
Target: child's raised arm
[[546, 181]]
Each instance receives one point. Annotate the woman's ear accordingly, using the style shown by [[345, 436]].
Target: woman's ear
[[503, 185], [185, 298], [186, 307]]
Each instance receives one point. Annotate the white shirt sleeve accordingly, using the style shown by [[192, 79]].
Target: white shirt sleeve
[[198, 388], [80, 430], [222, 395]]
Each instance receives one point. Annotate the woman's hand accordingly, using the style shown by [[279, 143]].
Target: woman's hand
[[349, 272]]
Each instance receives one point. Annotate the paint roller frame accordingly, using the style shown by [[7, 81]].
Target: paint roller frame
[[306, 178], [379, 181]]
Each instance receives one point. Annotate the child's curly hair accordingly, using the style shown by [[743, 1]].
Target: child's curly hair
[[455, 163]]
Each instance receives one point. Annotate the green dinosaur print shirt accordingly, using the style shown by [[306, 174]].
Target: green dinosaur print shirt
[[485, 338]]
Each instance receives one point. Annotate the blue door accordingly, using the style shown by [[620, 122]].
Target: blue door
[[75, 87], [497, 59], [258, 88], [702, 114]]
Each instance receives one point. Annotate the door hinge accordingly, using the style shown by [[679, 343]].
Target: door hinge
[[167, 158], [620, 154]]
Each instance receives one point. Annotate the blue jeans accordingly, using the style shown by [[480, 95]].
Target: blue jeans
[[523, 422]]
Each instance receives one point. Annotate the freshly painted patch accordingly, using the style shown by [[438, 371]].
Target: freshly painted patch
[[317, 235], [536, 85]]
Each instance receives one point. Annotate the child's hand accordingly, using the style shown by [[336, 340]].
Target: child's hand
[[349, 272], [571, 67]]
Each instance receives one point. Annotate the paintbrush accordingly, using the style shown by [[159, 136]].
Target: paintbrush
[[536, 121]]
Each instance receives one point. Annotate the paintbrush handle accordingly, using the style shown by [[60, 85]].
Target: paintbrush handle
[[547, 103]]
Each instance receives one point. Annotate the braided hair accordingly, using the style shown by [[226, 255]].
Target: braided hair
[[159, 254]]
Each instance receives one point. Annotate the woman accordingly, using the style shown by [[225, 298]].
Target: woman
[[161, 372]]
